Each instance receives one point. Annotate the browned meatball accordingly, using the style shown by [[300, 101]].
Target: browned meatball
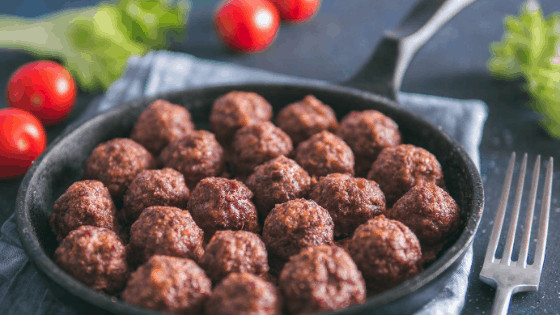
[[294, 225], [256, 144], [94, 256], [350, 201], [321, 278], [87, 202], [160, 124], [235, 110], [197, 155], [305, 118], [386, 251], [234, 251], [244, 294], [325, 153], [164, 231], [164, 187], [431, 213], [116, 162], [168, 284], [367, 133], [278, 181], [399, 168], [223, 204]]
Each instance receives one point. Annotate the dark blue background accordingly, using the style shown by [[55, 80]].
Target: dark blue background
[[334, 45]]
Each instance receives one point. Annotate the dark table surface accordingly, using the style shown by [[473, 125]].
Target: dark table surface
[[334, 45]]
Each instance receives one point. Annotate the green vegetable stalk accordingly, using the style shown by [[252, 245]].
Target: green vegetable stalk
[[530, 49], [94, 43]]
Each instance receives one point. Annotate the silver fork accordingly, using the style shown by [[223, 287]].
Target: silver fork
[[517, 276]]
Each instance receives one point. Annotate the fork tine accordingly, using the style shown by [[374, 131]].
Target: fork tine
[[524, 249], [499, 220], [508, 248], [543, 222]]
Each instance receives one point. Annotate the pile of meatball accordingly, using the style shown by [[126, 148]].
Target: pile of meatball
[[305, 215]]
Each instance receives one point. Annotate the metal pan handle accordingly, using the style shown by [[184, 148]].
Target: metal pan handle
[[384, 71]]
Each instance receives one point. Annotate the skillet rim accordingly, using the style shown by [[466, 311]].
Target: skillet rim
[[74, 287]]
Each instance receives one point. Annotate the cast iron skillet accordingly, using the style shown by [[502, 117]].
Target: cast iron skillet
[[62, 163]]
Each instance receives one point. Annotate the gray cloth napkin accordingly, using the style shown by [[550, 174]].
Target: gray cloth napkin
[[23, 290]]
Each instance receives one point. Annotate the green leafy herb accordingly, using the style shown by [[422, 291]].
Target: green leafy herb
[[530, 50], [94, 43]]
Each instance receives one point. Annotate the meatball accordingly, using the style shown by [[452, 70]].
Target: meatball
[[244, 293], [305, 118], [367, 133], [294, 225], [87, 202], [160, 124], [223, 204], [235, 110], [164, 231], [325, 153], [399, 168], [116, 162], [278, 181], [386, 251], [431, 213], [256, 144], [197, 155], [164, 187], [321, 278], [168, 284], [350, 201], [94, 256], [234, 251]]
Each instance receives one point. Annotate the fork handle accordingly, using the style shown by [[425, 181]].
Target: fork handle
[[501, 300]]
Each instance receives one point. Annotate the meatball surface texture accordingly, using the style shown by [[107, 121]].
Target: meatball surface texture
[[321, 278], [386, 252], [431, 213], [223, 204], [244, 293], [165, 187], [94, 256], [86, 202], [235, 110], [367, 133], [294, 225], [350, 201], [197, 155], [116, 162], [168, 284], [302, 119], [399, 168], [277, 181], [323, 154], [164, 231], [256, 144], [161, 123], [234, 251]]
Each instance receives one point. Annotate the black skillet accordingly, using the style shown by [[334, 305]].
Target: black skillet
[[62, 163]]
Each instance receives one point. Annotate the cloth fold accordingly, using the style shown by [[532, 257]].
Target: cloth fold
[[24, 290]]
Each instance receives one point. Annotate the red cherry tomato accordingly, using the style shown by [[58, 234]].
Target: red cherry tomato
[[43, 88], [22, 140], [247, 25], [296, 10]]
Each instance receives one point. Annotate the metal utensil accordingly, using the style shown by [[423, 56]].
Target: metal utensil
[[507, 275]]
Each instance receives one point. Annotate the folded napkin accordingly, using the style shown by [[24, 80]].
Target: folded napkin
[[23, 290]]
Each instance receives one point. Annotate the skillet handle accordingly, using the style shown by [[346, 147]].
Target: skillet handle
[[384, 71]]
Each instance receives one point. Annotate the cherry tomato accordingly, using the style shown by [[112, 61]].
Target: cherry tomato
[[247, 25], [44, 88], [296, 10], [22, 140]]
